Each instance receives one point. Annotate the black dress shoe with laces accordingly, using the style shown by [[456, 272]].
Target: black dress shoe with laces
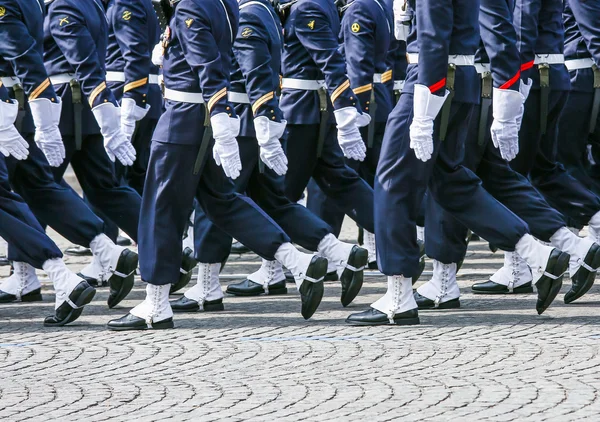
[[71, 309], [583, 280], [185, 304], [121, 282], [492, 288], [32, 296], [374, 317], [426, 303], [250, 288], [132, 323], [353, 275], [311, 292]]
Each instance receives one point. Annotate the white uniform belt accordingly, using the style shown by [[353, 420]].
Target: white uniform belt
[[455, 59], [183, 97], [549, 59], [63, 78], [398, 85], [120, 77], [577, 64], [238, 97], [10, 81], [304, 84], [482, 68]]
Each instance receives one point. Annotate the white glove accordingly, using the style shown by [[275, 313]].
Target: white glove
[[115, 142], [363, 119], [524, 89], [268, 134], [157, 54], [46, 117], [130, 115], [507, 107], [426, 107], [226, 151], [402, 20], [11, 142], [349, 137]]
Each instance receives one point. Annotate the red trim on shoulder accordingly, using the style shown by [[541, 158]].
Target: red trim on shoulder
[[526, 66], [511, 81], [437, 86]]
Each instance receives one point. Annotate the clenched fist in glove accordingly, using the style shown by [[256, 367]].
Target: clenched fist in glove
[[426, 107], [226, 151], [46, 117], [349, 138], [402, 20], [268, 135], [507, 111], [11, 142], [116, 143], [131, 113], [158, 54]]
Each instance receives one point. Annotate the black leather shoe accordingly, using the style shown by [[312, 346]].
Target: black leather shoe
[[492, 288], [237, 247], [32, 296], [289, 277], [426, 303], [583, 279], [250, 288], [131, 322], [78, 251], [373, 265], [120, 285], [421, 261], [374, 317], [94, 282], [185, 304], [549, 287], [188, 263], [80, 296], [4, 261], [332, 276], [123, 241], [352, 281], [311, 293]]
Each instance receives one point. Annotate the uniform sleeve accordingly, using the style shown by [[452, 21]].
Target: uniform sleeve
[[358, 31], [17, 46], [434, 29], [526, 17], [314, 32], [202, 55], [499, 38], [72, 36], [253, 55], [587, 15], [131, 32]]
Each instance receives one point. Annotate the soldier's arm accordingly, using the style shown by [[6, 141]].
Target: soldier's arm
[[587, 15], [131, 30], [314, 32], [202, 55], [434, 29], [17, 46], [252, 53], [499, 38], [71, 35], [358, 31], [526, 17]]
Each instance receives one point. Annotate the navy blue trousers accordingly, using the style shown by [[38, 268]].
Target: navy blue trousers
[[21, 230], [350, 194], [445, 235], [573, 138], [402, 180], [325, 207], [267, 190], [168, 197], [53, 204], [96, 175], [537, 160]]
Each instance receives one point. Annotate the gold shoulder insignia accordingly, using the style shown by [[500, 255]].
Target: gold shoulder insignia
[[246, 32], [188, 22], [2, 11], [63, 21], [126, 15], [311, 24], [355, 27]]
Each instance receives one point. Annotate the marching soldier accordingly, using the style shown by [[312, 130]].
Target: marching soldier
[[196, 70], [23, 69], [500, 75], [414, 159], [31, 247], [255, 82]]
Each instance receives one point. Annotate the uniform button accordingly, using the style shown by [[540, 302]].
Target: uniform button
[[143, 95], [229, 114], [52, 99], [351, 98], [273, 118], [367, 108], [272, 111], [105, 101], [228, 108]]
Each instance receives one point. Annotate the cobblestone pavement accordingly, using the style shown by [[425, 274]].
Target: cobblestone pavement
[[493, 359]]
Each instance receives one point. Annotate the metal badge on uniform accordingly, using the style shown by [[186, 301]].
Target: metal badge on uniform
[[2, 11], [311, 24], [355, 27], [246, 32], [126, 15]]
